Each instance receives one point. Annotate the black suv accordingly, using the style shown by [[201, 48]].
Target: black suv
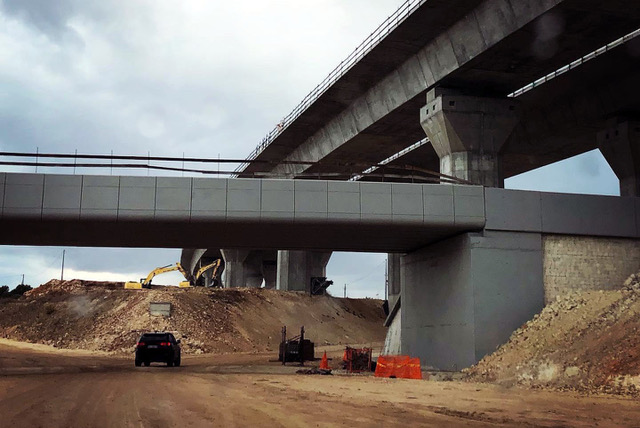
[[158, 347]]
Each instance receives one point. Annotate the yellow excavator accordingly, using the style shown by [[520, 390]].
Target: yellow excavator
[[215, 265], [146, 282]]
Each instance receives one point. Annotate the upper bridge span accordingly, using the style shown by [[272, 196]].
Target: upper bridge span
[[484, 48]]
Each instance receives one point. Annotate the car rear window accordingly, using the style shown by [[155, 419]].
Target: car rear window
[[155, 336]]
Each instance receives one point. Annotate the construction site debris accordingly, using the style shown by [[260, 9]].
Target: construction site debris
[[319, 285], [584, 341], [314, 371], [102, 316]]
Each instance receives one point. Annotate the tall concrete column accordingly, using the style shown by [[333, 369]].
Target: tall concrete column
[[295, 269], [468, 132], [620, 146], [234, 274]]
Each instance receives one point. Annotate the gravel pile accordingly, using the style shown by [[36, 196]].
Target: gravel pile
[[585, 342]]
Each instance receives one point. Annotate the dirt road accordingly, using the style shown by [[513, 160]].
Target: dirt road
[[45, 388]]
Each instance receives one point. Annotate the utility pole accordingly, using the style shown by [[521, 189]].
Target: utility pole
[[386, 279], [62, 272], [345, 291], [22, 280]]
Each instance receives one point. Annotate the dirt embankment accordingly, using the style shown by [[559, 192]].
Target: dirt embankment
[[587, 341], [103, 316]]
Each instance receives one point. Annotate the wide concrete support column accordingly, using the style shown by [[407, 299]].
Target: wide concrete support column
[[464, 296], [234, 274], [620, 146], [468, 132], [295, 269]]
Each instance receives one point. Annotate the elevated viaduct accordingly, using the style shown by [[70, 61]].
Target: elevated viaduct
[[453, 71], [497, 87], [448, 70], [478, 261]]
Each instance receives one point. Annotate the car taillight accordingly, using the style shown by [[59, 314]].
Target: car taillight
[[140, 344], [165, 344]]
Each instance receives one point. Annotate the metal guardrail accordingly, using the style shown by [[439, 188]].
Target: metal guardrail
[[390, 159], [577, 63], [390, 24]]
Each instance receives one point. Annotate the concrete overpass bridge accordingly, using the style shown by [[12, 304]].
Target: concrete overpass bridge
[[444, 70], [450, 71], [474, 54], [476, 262], [453, 71]]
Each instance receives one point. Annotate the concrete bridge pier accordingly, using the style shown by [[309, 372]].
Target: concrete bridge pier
[[295, 269], [242, 268], [468, 132], [620, 145]]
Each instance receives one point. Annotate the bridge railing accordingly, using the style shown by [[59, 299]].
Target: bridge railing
[[390, 24], [575, 64]]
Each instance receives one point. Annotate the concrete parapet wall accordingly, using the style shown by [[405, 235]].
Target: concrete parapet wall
[[581, 263], [561, 213]]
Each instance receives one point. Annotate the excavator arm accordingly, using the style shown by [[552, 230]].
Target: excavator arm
[[215, 265], [146, 282], [157, 271]]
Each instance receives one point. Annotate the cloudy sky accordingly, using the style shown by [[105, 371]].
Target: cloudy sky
[[197, 78]]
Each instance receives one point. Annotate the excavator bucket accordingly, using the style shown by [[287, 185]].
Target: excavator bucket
[[132, 285]]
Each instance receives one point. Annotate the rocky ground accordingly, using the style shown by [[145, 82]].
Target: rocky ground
[[102, 316], [587, 342], [42, 386]]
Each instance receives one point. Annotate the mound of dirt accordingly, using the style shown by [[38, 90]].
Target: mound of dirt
[[102, 316], [586, 341]]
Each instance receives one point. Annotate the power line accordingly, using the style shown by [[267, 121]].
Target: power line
[[401, 170], [373, 271]]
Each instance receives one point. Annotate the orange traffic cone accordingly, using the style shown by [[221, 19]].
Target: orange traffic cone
[[324, 364]]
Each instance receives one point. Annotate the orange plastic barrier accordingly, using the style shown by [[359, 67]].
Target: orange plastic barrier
[[399, 366]]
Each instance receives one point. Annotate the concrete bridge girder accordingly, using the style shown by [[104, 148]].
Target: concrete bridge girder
[[452, 49]]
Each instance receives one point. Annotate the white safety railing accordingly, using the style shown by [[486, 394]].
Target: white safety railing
[[390, 159], [390, 24], [575, 64]]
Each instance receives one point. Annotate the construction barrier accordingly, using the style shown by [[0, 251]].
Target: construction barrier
[[398, 366], [324, 364]]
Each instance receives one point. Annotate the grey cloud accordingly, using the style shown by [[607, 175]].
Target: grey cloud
[[52, 17], [49, 17]]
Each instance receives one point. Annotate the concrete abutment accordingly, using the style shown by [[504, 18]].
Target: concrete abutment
[[464, 296]]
